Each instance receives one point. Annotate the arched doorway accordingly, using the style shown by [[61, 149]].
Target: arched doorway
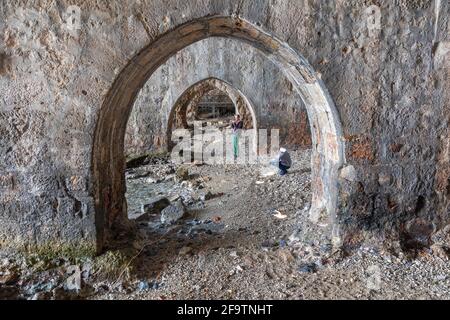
[[193, 95], [108, 156]]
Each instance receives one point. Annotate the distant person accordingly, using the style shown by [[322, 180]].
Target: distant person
[[236, 125], [283, 161]]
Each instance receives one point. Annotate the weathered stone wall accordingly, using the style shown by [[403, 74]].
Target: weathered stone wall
[[389, 83], [276, 104]]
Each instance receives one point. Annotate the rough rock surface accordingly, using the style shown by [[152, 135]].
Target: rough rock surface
[[384, 67]]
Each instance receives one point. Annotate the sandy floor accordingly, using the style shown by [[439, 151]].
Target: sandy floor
[[236, 243]]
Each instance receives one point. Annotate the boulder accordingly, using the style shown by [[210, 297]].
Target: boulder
[[73, 282], [155, 206], [173, 213]]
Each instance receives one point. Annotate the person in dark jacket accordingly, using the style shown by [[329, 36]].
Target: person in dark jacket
[[283, 161], [237, 125]]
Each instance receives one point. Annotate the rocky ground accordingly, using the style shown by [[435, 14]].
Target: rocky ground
[[228, 234]]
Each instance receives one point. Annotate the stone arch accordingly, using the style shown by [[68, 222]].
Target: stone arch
[[193, 94], [108, 156]]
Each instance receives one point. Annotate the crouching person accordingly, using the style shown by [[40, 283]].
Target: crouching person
[[283, 161]]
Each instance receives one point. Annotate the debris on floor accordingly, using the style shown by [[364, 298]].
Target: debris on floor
[[224, 237]]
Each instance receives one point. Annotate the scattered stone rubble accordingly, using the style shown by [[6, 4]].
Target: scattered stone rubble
[[231, 232]]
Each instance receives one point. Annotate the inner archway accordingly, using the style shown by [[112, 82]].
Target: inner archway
[[188, 101], [108, 156]]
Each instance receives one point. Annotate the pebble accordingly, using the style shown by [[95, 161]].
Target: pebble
[[185, 251], [73, 282]]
